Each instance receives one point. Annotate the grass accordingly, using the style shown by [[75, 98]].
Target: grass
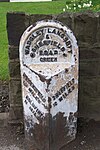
[[33, 8], [54, 7]]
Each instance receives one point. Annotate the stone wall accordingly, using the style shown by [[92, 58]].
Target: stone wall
[[86, 28], [4, 0]]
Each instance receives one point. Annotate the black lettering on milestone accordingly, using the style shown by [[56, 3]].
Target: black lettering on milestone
[[49, 30], [48, 59], [47, 42], [64, 91], [63, 49], [28, 42], [31, 38], [59, 46], [66, 94], [42, 59], [54, 31], [33, 50], [41, 53], [55, 52], [33, 105], [47, 36], [37, 99], [25, 101], [51, 52], [32, 55], [60, 99], [55, 43], [26, 51], [54, 98], [46, 52], [55, 104], [40, 43]]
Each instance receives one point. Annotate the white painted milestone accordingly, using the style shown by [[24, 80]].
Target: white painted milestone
[[49, 71]]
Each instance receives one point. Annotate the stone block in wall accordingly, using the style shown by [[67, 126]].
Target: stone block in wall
[[89, 97], [66, 18], [89, 52], [15, 94], [14, 68], [85, 27], [16, 25], [16, 114], [98, 28], [15, 97], [13, 52], [89, 68], [89, 108], [98, 86], [38, 17], [88, 87]]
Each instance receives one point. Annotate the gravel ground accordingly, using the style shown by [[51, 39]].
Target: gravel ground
[[11, 138], [88, 137]]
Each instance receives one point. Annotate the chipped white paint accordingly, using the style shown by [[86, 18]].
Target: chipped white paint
[[49, 70]]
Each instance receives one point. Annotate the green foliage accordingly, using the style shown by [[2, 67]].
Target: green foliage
[[81, 5]]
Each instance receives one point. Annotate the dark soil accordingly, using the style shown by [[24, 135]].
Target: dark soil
[[88, 136], [12, 136]]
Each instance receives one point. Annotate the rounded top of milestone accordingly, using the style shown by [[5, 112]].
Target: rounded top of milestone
[[47, 41]]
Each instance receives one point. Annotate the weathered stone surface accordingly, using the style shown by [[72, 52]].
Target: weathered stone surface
[[16, 109], [15, 114], [98, 28], [89, 108], [85, 27], [89, 68], [49, 83], [14, 68], [13, 52], [36, 17], [16, 24], [66, 18], [98, 86], [4, 119], [88, 87], [15, 95], [91, 52], [89, 97]]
